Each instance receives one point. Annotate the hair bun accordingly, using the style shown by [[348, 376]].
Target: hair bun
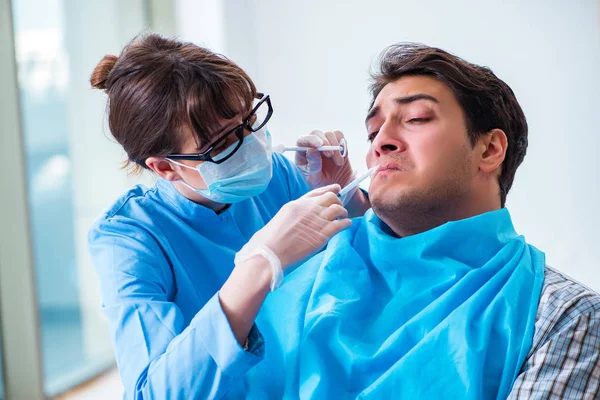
[[102, 70]]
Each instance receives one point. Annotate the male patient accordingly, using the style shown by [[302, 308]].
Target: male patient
[[432, 293]]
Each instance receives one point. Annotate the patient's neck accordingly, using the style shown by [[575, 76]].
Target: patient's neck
[[409, 220]]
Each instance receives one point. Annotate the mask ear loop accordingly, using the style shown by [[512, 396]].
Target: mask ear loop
[[184, 183], [180, 164]]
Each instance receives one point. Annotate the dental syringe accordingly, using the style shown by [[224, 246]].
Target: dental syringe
[[354, 184]]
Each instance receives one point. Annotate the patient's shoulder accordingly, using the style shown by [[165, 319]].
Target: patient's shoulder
[[562, 301], [563, 361]]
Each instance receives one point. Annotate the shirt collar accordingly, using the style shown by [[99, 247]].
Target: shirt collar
[[181, 205]]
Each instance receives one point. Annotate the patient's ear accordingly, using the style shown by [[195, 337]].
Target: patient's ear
[[492, 149]]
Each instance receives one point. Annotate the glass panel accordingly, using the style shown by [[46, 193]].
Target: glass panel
[[72, 169], [1, 371], [226, 147], [260, 115]]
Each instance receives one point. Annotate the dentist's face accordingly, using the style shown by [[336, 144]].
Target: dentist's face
[[190, 146], [419, 139]]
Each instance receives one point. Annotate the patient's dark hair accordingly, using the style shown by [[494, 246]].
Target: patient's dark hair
[[159, 89], [487, 102]]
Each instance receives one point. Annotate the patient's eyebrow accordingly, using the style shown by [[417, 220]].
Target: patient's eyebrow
[[402, 101], [415, 97], [373, 112]]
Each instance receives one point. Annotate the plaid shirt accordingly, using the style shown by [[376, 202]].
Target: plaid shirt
[[564, 361]]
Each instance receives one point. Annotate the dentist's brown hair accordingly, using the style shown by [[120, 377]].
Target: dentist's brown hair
[[159, 89]]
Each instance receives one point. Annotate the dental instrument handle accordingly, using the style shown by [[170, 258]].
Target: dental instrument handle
[[322, 148], [342, 148]]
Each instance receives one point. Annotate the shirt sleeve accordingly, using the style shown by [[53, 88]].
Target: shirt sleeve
[[157, 355], [566, 364]]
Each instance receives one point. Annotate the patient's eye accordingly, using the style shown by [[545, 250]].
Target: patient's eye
[[419, 120]]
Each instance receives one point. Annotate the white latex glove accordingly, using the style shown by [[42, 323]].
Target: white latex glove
[[302, 227], [323, 168]]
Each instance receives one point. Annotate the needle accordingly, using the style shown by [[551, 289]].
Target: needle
[[356, 182]]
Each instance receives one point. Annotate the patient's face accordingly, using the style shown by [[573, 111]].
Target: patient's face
[[419, 139]]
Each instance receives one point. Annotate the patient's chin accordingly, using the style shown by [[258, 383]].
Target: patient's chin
[[396, 204], [390, 202]]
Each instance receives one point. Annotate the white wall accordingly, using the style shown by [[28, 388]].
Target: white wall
[[313, 57]]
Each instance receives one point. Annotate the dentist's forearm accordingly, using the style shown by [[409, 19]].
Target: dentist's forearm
[[243, 294]]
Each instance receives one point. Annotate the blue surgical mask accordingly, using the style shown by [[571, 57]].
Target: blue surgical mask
[[246, 174]]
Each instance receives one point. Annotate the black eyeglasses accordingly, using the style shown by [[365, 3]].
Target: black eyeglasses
[[226, 146]]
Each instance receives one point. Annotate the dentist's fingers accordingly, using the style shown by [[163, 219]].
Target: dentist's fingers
[[322, 136], [335, 189], [311, 140], [333, 212], [334, 139], [336, 226], [314, 162]]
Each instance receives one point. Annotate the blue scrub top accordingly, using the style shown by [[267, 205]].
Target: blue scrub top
[[161, 259]]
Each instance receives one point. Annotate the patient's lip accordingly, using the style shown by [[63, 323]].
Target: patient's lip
[[389, 166]]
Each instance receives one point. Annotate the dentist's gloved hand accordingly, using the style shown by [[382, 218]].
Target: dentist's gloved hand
[[302, 227], [323, 168]]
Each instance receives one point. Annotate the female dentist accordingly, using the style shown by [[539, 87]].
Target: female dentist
[[181, 311]]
